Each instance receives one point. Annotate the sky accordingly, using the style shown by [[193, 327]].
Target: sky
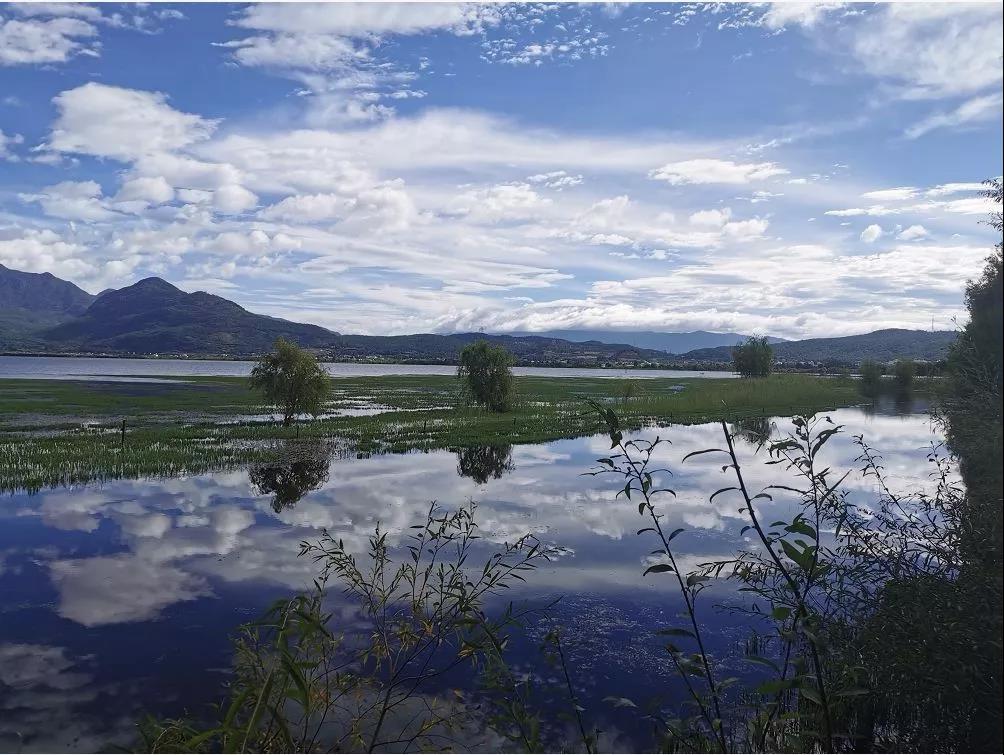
[[795, 169]]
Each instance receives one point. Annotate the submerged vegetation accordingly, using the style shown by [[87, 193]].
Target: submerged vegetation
[[55, 432]]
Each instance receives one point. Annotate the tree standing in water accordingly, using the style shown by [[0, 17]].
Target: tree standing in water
[[486, 370], [754, 358], [292, 380]]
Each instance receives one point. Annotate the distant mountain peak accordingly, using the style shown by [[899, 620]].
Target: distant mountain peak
[[152, 283]]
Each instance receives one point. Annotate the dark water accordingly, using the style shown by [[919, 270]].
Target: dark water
[[75, 368], [120, 599]]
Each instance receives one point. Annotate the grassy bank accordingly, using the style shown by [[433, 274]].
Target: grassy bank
[[66, 432]]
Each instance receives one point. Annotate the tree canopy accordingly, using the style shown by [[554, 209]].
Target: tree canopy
[[486, 370], [292, 380]]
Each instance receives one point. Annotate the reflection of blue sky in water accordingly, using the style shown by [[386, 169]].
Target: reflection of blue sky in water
[[119, 596]]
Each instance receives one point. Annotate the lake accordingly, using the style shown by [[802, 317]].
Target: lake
[[75, 368], [120, 598]]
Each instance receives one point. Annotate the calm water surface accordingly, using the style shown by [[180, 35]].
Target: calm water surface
[[121, 598], [70, 368]]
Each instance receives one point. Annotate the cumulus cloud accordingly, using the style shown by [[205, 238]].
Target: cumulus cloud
[[871, 234], [72, 200], [714, 171], [36, 41], [124, 124], [52, 33], [714, 218], [511, 201], [913, 233], [149, 189]]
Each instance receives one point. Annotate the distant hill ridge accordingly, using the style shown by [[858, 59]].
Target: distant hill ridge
[[881, 345], [40, 313], [672, 343]]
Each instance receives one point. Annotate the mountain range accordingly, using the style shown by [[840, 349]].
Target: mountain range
[[672, 343], [40, 313]]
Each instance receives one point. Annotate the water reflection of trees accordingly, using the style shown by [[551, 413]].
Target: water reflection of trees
[[302, 466], [483, 463], [753, 430]]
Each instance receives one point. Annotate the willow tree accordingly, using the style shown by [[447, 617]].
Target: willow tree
[[754, 358], [290, 379], [486, 371]]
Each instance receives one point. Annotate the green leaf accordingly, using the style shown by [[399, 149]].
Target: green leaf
[[696, 579], [705, 451], [810, 693], [781, 613], [658, 568]]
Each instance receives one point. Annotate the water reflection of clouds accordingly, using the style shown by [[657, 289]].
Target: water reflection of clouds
[[143, 550], [180, 536], [45, 689]]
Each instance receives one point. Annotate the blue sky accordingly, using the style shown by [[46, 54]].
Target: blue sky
[[792, 169]]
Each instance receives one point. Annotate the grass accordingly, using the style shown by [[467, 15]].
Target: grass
[[193, 425]]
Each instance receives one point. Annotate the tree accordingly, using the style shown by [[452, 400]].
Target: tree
[[903, 371], [754, 358], [486, 370], [292, 380], [871, 376]]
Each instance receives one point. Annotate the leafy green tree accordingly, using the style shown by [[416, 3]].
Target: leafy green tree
[[903, 372], [292, 380], [754, 358], [486, 370], [871, 376]]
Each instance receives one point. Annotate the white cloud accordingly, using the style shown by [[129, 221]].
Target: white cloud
[[232, 199], [72, 200], [309, 208], [891, 195], [954, 188], [712, 171], [36, 41], [501, 202], [780, 15], [877, 210], [713, 218], [913, 233], [871, 234], [6, 141], [557, 180], [151, 189], [975, 110], [124, 124], [367, 19], [745, 230], [931, 50]]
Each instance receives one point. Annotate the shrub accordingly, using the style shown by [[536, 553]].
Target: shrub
[[486, 370]]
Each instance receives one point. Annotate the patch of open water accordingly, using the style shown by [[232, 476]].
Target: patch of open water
[[120, 599]]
